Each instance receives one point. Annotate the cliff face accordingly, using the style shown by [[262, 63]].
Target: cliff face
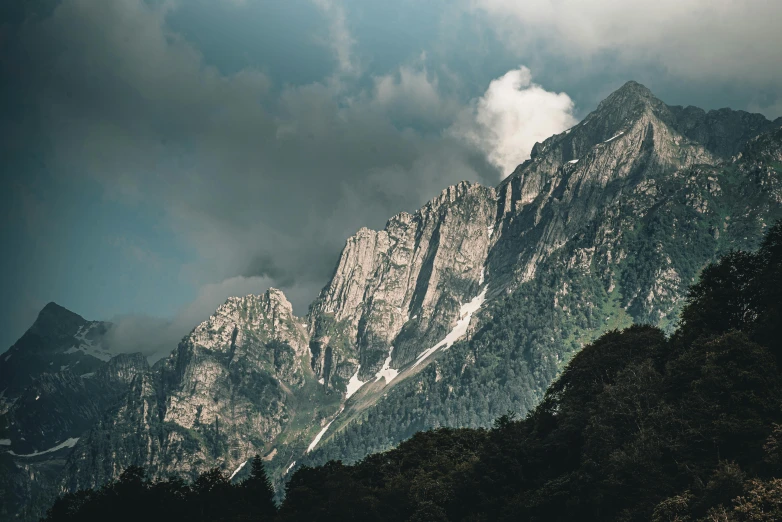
[[228, 389], [396, 291]]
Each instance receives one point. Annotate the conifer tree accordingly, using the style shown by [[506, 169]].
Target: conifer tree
[[259, 492]]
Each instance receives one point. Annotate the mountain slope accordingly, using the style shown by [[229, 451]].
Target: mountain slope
[[465, 309], [638, 427], [232, 386], [611, 239]]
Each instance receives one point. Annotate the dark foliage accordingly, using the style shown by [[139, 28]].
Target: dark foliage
[[133, 498], [638, 427]]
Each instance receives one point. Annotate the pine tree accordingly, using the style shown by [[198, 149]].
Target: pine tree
[[259, 492]]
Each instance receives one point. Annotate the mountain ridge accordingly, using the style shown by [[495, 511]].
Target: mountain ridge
[[605, 225]]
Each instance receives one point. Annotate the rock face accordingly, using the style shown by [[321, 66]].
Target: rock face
[[399, 290], [450, 315], [222, 396]]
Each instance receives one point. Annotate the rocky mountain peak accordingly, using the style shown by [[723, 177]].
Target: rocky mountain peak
[[630, 93], [54, 321]]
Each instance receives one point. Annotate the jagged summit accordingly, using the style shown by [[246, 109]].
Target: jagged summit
[[54, 319], [630, 90]]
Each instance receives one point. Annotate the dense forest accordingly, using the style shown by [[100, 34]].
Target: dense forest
[[639, 426]]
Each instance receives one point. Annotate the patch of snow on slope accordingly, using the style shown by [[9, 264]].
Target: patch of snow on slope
[[237, 470], [386, 372], [8, 356], [353, 384], [67, 444], [573, 162], [5, 442], [322, 432], [490, 230], [322, 380], [483, 272], [86, 345], [465, 314], [612, 139], [289, 467]]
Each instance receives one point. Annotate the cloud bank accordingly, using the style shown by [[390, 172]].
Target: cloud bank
[[718, 39]]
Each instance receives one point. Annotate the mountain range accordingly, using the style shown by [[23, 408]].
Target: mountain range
[[450, 316]]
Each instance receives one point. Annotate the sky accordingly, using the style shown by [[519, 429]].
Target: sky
[[159, 156]]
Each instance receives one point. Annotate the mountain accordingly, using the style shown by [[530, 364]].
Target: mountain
[[58, 339], [56, 381], [638, 427], [605, 226], [232, 386], [461, 311]]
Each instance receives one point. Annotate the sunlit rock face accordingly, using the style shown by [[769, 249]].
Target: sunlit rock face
[[220, 397], [402, 287]]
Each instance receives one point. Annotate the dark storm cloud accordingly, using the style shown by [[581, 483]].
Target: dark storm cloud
[[261, 184], [264, 179]]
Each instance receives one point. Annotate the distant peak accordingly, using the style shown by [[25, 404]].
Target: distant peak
[[52, 309], [51, 306], [631, 92], [633, 85], [55, 318]]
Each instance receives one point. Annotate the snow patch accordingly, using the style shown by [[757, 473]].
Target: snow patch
[[573, 162], [237, 470], [87, 375], [483, 272], [67, 444], [322, 432], [612, 139], [5, 442], [289, 467], [322, 380], [8, 356], [37, 397], [465, 314], [490, 230], [386, 372], [354, 384]]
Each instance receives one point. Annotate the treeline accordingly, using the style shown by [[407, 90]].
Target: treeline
[[212, 497], [638, 427]]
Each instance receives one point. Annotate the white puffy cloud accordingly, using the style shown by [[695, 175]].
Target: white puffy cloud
[[511, 116]]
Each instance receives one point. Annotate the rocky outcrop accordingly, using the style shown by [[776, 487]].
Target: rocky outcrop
[[396, 291], [222, 396]]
